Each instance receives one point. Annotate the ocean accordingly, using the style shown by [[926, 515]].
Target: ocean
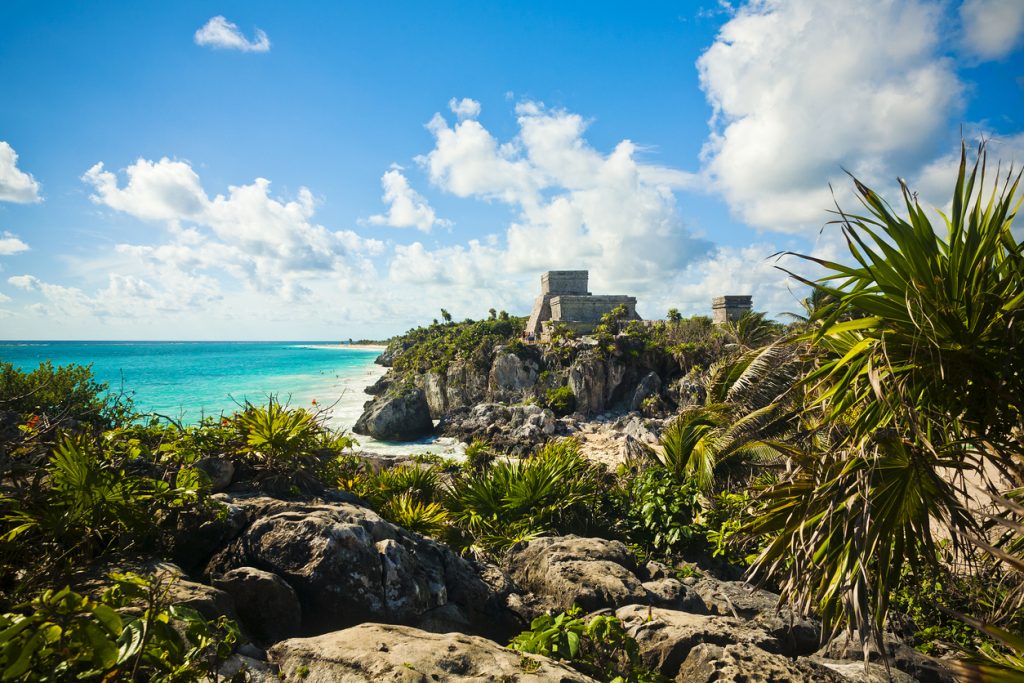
[[188, 380]]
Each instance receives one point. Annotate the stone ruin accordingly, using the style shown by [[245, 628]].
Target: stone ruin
[[725, 309], [564, 300]]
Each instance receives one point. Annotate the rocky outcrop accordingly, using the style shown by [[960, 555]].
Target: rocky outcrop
[[375, 653], [594, 381], [666, 637], [199, 533], [382, 384], [516, 429], [220, 472], [900, 655], [266, 604], [626, 375], [648, 387], [401, 417], [512, 379], [210, 602], [347, 566], [591, 573], [708, 663], [796, 635]]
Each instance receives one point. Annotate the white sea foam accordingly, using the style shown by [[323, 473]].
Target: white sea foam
[[345, 396]]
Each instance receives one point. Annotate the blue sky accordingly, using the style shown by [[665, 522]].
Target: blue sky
[[332, 170]]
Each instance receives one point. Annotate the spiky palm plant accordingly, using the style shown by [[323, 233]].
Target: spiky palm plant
[[557, 489], [427, 518], [919, 381]]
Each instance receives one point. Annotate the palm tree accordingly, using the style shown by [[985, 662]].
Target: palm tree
[[918, 381], [745, 409]]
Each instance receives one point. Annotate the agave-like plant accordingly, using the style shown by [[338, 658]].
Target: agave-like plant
[[427, 518], [918, 383], [557, 489]]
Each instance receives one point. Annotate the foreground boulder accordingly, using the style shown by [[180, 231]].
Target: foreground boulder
[[593, 573], [373, 653], [347, 565], [708, 663], [797, 635], [899, 655], [265, 603], [401, 417], [666, 637]]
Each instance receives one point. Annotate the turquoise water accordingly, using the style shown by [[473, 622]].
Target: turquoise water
[[187, 380]]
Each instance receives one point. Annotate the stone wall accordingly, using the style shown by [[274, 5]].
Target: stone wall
[[564, 282], [590, 309]]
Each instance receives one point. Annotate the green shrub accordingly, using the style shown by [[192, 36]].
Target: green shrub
[[561, 401], [598, 647], [555, 491], [722, 525], [435, 347], [479, 455], [63, 636], [84, 506], [427, 518], [657, 513], [55, 398], [288, 446], [420, 483]]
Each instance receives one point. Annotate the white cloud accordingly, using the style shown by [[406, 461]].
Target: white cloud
[[10, 244], [26, 282], [573, 205], [269, 244], [992, 28], [15, 185], [465, 108], [218, 32], [407, 207], [801, 89], [156, 190]]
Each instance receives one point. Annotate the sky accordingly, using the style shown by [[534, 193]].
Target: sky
[[265, 170]]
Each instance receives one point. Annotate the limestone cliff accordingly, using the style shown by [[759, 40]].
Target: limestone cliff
[[623, 371]]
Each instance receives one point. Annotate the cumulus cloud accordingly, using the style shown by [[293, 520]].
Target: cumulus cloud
[[573, 206], [26, 282], [801, 89], [218, 32], [465, 108], [10, 244], [407, 207], [992, 29], [270, 244], [15, 185], [156, 190]]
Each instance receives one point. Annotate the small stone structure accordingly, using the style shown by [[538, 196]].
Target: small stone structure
[[729, 308], [564, 300]]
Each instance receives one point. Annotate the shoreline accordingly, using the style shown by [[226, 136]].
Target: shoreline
[[353, 347]]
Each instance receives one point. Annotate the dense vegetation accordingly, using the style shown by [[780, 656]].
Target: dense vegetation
[[438, 345]]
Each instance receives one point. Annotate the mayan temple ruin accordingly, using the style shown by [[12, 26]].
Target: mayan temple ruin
[[564, 300], [725, 309]]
